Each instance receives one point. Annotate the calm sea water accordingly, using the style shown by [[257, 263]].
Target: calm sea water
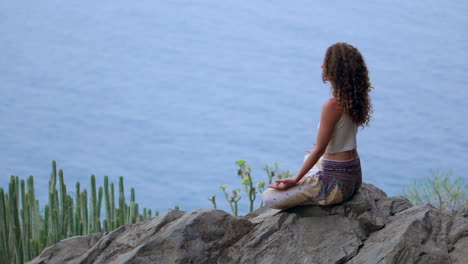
[[170, 94]]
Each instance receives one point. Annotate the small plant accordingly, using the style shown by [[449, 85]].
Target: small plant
[[247, 180], [285, 174], [213, 201], [439, 191], [233, 199], [261, 188], [271, 171], [251, 189]]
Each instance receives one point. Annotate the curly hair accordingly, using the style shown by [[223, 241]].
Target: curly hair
[[346, 70]]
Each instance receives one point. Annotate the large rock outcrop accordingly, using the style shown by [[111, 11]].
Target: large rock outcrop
[[370, 228]]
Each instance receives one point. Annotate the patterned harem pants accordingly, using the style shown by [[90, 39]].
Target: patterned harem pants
[[334, 182]]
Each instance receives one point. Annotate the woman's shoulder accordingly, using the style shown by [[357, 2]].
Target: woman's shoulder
[[332, 105]]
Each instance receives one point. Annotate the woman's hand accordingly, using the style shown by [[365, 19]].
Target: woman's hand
[[283, 184]]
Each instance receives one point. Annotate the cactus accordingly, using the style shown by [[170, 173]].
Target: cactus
[[4, 230], [84, 211], [93, 206], [78, 230], [113, 223], [24, 215], [98, 216], [131, 215], [69, 216], [45, 229], [62, 211], [36, 220], [122, 211], [107, 199], [24, 232], [54, 224], [15, 228]]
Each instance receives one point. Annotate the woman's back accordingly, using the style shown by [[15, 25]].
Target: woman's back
[[343, 137]]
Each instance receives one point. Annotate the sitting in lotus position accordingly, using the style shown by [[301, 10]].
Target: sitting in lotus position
[[338, 173]]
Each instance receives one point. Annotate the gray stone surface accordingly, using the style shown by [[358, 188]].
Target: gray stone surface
[[370, 228]]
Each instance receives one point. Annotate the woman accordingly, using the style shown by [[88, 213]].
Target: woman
[[339, 175]]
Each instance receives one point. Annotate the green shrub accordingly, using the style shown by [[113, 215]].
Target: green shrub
[[439, 191]]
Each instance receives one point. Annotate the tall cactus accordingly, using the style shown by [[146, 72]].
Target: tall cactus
[[24, 215], [54, 223], [132, 216], [36, 220], [15, 227], [107, 199], [69, 216], [113, 211], [98, 210], [84, 211], [45, 229], [63, 207], [93, 206], [4, 230], [78, 220], [122, 205], [24, 232]]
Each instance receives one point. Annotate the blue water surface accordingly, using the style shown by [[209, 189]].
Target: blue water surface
[[169, 94]]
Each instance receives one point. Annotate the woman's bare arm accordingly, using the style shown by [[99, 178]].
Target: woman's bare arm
[[331, 114]]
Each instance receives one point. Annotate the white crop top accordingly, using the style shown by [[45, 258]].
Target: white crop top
[[343, 137]]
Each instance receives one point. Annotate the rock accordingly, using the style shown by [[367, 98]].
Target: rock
[[369, 228], [460, 253], [458, 238], [417, 235], [68, 249]]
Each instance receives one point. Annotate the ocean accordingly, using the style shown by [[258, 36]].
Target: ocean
[[169, 94]]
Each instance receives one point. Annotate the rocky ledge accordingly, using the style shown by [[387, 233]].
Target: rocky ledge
[[370, 228]]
